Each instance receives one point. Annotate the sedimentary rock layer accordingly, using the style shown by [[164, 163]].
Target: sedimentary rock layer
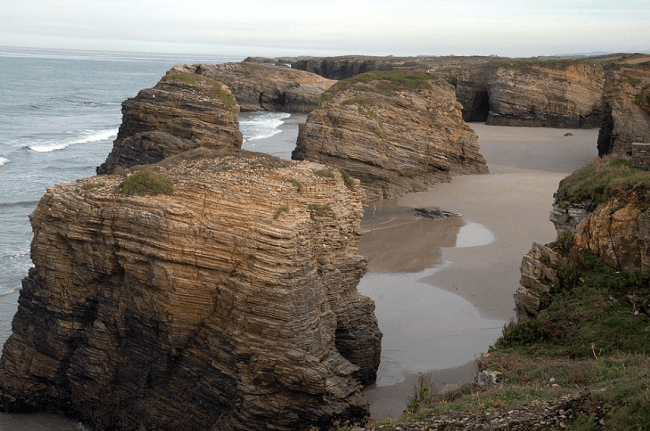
[[395, 132], [341, 67], [627, 119], [564, 96], [182, 112], [261, 87], [229, 305]]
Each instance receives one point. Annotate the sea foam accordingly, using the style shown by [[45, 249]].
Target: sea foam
[[3, 160], [85, 138], [262, 126]]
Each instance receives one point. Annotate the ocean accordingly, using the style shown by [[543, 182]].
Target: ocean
[[60, 111]]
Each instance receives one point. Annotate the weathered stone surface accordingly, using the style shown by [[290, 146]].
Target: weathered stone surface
[[569, 96], [567, 215], [260, 87], [619, 230], [343, 67], [627, 119], [538, 269], [395, 141], [229, 305], [172, 117]]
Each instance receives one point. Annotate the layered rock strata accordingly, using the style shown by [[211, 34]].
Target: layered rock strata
[[261, 87], [341, 67], [395, 139], [627, 119], [229, 305], [565, 96], [182, 112], [617, 230]]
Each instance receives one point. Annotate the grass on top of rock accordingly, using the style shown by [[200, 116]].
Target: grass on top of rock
[[594, 181], [190, 78], [147, 182], [382, 81]]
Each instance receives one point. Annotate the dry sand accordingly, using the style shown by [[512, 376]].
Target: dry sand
[[442, 317]]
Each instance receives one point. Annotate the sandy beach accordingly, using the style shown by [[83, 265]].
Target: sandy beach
[[443, 289]]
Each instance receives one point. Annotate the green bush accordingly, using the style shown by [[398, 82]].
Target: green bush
[[526, 332], [147, 182]]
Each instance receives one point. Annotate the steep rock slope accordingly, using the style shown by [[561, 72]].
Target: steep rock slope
[[397, 132], [180, 113], [258, 87], [230, 304], [341, 67], [627, 120]]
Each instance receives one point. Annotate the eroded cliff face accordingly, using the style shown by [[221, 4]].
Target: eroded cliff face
[[182, 112], [341, 67], [566, 96], [627, 119], [394, 139], [617, 230], [261, 87], [229, 305]]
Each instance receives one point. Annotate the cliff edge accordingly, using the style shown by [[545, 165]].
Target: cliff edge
[[228, 301]]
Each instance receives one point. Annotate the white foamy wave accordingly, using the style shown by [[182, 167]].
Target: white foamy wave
[[3, 160], [85, 138], [261, 125]]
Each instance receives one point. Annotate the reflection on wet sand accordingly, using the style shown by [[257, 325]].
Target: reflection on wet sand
[[425, 328], [398, 241]]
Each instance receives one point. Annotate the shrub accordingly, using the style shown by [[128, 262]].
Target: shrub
[[347, 179], [147, 182], [325, 173], [526, 332]]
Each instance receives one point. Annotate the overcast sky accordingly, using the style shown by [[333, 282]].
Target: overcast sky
[[335, 27]]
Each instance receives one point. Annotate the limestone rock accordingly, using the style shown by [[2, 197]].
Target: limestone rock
[[627, 119], [180, 113], [260, 87], [394, 139], [229, 305]]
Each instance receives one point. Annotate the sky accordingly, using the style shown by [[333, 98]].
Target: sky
[[513, 28]]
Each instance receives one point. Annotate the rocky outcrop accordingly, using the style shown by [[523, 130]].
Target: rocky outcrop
[[182, 112], [344, 67], [260, 87], [230, 304], [617, 230], [395, 132], [627, 119], [530, 95]]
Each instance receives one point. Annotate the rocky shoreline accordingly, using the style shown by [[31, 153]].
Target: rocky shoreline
[[195, 284]]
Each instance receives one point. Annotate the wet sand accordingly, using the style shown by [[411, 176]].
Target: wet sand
[[439, 305]]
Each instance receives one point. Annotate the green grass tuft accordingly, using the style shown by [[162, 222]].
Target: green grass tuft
[[145, 182]]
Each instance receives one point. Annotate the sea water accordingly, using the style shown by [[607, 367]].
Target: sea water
[[60, 111]]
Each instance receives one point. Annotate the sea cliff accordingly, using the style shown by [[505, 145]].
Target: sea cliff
[[397, 132]]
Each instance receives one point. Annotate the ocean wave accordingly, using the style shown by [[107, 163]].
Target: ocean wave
[[3, 160], [86, 138], [262, 125]]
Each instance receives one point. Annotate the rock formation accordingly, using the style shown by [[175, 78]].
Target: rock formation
[[182, 112], [396, 132], [230, 304], [617, 230], [561, 95], [343, 67], [627, 119], [258, 87]]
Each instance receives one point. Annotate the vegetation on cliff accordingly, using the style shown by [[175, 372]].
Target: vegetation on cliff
[[223, 96], [595, 181]]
